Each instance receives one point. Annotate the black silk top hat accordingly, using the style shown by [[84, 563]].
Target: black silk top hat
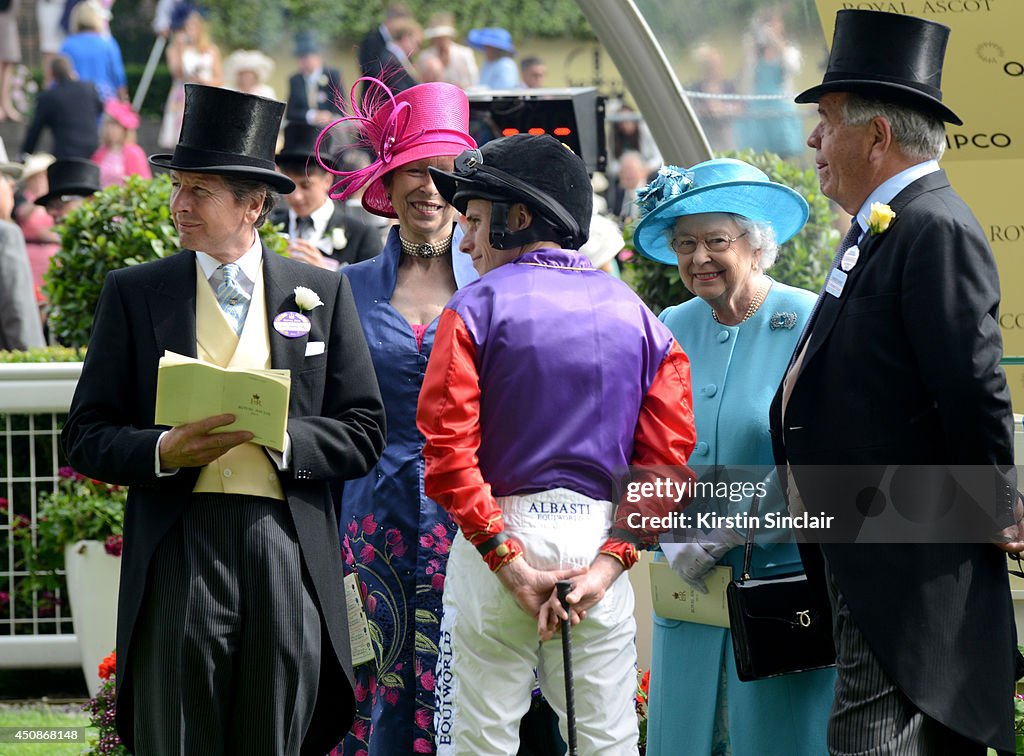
[[887, 56], [228, 133], [72, 177], [299, 145]]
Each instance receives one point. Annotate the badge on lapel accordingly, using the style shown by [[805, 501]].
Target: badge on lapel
[[291, 324]]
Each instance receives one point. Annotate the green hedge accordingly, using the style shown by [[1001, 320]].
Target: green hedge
[[122, 225]]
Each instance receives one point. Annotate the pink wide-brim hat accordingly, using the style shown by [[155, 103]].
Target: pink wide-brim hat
[[122, 113], [425, 121]]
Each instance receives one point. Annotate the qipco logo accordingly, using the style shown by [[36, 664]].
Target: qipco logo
[[996, 140]]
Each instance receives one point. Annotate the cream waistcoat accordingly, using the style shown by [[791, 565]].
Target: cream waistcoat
[[246, 469]]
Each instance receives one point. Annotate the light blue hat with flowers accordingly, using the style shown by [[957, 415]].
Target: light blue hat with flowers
[[722, 185]]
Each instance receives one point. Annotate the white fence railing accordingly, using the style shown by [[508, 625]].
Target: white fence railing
[[35, 631]]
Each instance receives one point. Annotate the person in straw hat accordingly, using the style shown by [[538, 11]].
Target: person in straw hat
[[399, 295], [900, 366], [41, 242], [453, 62], [232, 629]]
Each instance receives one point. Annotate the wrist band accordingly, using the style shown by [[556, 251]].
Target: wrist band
[[492, 543]]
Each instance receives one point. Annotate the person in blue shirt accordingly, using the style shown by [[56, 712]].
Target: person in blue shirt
[[499, 69], [95, 54]]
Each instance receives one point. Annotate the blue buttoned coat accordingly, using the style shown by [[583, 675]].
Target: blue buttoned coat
[[735, 371]]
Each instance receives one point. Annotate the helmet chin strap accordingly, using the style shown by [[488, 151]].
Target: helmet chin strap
[[540, 229]]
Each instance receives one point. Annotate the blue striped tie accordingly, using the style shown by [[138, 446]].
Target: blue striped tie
[[231, 297]]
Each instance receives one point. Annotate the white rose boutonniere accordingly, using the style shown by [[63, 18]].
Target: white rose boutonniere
[[880, 218], [339, 240], [306, 299]]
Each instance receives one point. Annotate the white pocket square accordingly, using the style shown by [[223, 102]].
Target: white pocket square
[[314, 347]]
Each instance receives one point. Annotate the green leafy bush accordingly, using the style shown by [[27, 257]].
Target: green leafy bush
[[122, 225], [803, 261]]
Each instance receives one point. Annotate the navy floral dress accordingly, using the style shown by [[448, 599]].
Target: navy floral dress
[[394, 537]]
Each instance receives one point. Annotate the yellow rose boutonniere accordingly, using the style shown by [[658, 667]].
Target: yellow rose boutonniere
[[880, 218]]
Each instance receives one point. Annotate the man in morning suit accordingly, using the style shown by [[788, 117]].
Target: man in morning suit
[[71, 110], [320, 231], [232, 632], [314, 88], [899, 371]]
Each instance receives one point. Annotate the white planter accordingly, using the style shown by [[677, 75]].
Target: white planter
[[93, 576]]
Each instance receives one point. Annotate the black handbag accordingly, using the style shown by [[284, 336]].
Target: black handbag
[[780, 625]]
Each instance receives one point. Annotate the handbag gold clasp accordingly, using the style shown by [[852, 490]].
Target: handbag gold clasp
[[804, 617]]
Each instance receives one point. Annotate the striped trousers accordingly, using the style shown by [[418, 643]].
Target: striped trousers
[[870, 715], [226, 651]]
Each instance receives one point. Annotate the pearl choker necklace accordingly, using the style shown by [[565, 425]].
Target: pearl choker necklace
[[425, 249]]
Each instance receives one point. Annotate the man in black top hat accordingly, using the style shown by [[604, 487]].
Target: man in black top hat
[[232, 632], [319, 229], [71, 181], [900, 366]]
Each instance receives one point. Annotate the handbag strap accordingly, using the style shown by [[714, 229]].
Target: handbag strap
[[748, 545]]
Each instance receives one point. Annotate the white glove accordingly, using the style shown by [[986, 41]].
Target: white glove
[[693, 560]]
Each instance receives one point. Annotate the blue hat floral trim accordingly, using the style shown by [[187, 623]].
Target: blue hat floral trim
[[670, 182]]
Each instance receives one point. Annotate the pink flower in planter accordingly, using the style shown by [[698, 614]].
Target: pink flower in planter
[[114, 545], [422, 745]]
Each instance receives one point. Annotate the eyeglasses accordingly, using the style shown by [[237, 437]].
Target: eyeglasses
[[688, 245]]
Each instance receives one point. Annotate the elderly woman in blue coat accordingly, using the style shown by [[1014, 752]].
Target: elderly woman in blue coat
[[721, 223]]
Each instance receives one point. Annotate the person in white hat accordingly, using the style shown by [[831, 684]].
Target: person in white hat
[[41, 242], [248, 71], [456, 63]]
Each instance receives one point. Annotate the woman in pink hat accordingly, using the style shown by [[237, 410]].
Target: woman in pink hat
[[119, 156], [393, 537]]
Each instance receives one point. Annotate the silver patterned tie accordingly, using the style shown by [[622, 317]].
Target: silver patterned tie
[[231, 297]]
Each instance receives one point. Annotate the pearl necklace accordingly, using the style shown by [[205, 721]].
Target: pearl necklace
[[755, 303], [425, 249]]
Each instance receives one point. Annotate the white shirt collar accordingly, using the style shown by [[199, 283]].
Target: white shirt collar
[[888, 189], [249, 263], [321, 217]]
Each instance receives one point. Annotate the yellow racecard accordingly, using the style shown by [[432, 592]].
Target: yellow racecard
[[188, 390]]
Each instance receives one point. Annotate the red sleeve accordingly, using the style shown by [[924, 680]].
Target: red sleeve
[[662, 444], [448, 415]]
